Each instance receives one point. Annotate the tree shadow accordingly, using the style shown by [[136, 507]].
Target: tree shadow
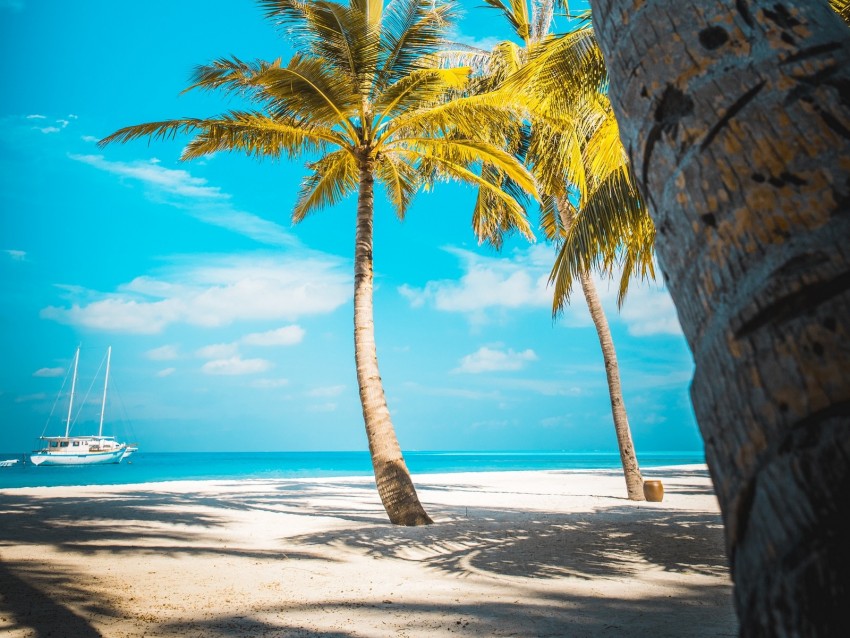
[[610, 543], [25, 605]]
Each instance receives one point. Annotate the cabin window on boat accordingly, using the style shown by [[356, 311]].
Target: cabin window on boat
[[54, 444], [76, 443], [63, 443]]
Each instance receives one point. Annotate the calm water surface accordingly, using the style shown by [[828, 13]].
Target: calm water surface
[[150, 467]]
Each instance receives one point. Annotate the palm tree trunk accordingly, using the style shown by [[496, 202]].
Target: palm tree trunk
[[395, 486], [631, 470], [736, 115]]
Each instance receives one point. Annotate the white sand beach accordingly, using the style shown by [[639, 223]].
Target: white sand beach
[[546, 553]]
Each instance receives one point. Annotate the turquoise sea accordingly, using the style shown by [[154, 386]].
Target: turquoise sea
[[146, 467]]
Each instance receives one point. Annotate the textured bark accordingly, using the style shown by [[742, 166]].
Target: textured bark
[[392, 478], [631, 470], [736, 116]]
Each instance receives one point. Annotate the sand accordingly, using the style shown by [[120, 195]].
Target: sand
[[549, 553]]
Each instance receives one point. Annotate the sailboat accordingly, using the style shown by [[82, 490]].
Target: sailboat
[[82, 450]]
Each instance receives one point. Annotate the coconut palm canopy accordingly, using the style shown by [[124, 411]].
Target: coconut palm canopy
[[368, 82]]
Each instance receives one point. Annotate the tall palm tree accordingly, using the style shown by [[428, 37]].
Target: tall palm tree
[[364, 97], [583, 173], [736, 114]]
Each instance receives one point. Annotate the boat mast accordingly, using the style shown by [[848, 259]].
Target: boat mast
[[73, 386], [105, 383]]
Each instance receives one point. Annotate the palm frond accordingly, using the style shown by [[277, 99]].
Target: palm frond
[[412, 32], [307, 90], [842, 8], [333, 178], [612, 228], [561, 70], [255, 134], [418, 88], [230, 75], [400, 179], [516, 13], [340, 35]]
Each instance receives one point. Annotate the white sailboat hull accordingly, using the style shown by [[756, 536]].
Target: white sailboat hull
[[90, 458]]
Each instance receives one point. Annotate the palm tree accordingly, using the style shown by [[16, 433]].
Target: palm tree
[[365, 98], [582, 170], [737, 120]]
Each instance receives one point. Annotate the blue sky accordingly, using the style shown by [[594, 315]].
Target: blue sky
[[231, 329]]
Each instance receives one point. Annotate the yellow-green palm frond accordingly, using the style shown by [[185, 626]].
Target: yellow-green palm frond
[[613, 228], [470, 152], [555, 153], [492, 218], [372, 9], [333, 178], [604, 152], [412, 32], [842, 8], [231, 75], [339, 35], [561, 70], [491, 116], [417, 89], [516, 13], [258, 135], [401, 180], [306, 90]]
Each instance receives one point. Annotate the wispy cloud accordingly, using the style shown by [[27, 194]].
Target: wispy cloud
[[194, 195], [236, 366], [166, 372], [163, 353], [491, 360], [16, 255], [326, 391], [169, 180], [216, 292], [218, 351], [269, 383], [49, 372], [490, 287], [286, 336]]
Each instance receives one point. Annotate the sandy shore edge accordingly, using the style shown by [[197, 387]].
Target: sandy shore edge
[[514, 553]]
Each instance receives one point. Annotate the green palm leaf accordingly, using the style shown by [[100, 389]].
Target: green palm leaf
[[333, 178]]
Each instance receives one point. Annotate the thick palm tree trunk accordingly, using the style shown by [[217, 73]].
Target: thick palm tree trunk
[[395, 486], [736, 115], [631, 470]]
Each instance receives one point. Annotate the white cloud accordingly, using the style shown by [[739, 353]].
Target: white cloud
[[218, 351], [322, 407], [163, 353], [489, 283], [218, 291], [49, 129], [327, 391], [16, 255], [269, 383], [286, 336], [174, 181], [49, 372], [496, 285], [166, 372], [236, 365], [490, 360], [89, 138], [35, 116]]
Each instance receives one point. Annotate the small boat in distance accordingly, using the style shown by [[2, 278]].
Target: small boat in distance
[[82, 450], [8, 463]]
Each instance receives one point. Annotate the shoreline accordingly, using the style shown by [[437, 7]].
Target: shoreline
[[531, 553]]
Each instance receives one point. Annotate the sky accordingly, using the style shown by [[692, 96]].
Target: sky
[[231, 328]]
